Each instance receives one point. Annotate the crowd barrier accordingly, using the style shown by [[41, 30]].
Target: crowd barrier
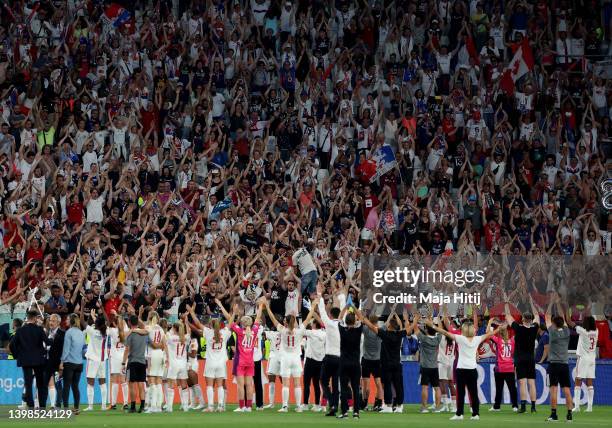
[[11, 384]]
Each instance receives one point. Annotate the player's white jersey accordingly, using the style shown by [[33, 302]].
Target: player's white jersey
[[292, 303], [587, 343], [192, 362], [291, 341], [156, 336], [177, 350], [117, 347], [275, 342], [446, 351], [216, 350], [98, 345]]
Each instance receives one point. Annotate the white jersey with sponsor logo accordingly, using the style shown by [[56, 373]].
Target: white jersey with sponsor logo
[[291, 341], [275, 343], [587, 343], [98, 345], [156, 336], [216, 350], [117, 348], [177, 349], [446, 351]]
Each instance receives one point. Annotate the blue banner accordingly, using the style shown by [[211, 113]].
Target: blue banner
[[486, 383]]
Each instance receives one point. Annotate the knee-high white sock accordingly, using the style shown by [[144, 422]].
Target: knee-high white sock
[[285, 394], [124, 392], [104, 394], [577, 397], [154, 397], [221, 396], [210, 395], [166, 391], [90, 395], [271, 393], [590, 397], [298, 395], [148, 394], [52, 396], [169, 399], [184, 398], [197, 395], [114, 393]]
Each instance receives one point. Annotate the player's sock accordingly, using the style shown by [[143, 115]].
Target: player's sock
[[210, 395], [249, 403], [104, 394], [271, 393], [533, 403], [221, 396], [90, 395], [114, 393], [298, 395], [197, 394], [184, 397], [158, 394], [523, 404], [124, 392], [148, 393], [165, 389], [577, 397], [590, 397], [285, 394], [169, 399], [241, 403], [52, 395]]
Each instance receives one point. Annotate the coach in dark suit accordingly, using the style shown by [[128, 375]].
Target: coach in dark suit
[[29, 347], [56, 336]]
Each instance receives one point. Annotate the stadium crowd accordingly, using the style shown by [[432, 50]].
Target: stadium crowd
[[172, 159]]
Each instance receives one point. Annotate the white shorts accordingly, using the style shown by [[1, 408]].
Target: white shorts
[[155, 365], [445, 371], [215, 369], [585, 368], [193, 365], [177, 370], [116, 364], [274, 365], [291, 366], [95, 369]]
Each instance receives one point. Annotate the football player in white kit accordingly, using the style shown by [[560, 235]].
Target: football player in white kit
[[176, 354], [291, 350], [116, 360], [197, 398], [215, 369], [155, 362], [586, 351], [446, 359], [274, 363], [97, 353]]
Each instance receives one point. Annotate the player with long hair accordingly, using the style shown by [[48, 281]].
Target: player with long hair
[[155, 362], [97, 353], [585, 363], [117, 325], [504, 368], [176, 356]]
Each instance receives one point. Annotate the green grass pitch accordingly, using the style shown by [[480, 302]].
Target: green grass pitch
[[601, 417]]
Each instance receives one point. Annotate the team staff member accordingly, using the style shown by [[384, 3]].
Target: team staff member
[[524, 360], [558, 369], [428, 360], [134, 360], [29, 347], [391, 342], [331, 362], [56, 337], [71, 366], [467, 374], [370, 366], [350, 369]]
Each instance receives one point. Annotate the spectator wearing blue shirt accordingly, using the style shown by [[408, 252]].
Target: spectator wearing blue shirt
[[56, 303]]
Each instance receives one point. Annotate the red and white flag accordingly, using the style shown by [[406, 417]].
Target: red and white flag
[[521, 64]]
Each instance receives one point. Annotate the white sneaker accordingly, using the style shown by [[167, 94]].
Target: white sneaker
[[209, 409], [589, 410], [198, 407], [576, 410], [493, 409], [238, 410], [164, 407], [259, 409], [88, 409], [515, 409], [299, 409], [283, 409], [247, 409], [386, 409], [185, 408], [316, 408], [268, 406], [440, 410], [475, 418], [149, 411], [432, 407], [456, 418], [424, 410], [399, 409], [103, 408]]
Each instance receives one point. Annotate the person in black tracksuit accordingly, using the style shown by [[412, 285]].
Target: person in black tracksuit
[[392, 373], [350, 366]]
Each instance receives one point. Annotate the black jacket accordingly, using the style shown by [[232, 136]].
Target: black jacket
[[28, 346], [55, 351]]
